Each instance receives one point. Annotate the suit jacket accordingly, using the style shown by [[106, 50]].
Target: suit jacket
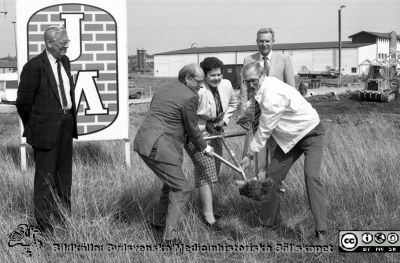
[[207, 107], [38, 102], [172, 116], [280, 67]]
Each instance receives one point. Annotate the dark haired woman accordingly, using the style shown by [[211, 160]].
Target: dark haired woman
[[217, 102]]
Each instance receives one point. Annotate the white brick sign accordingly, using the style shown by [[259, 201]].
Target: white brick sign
[[98, 53]]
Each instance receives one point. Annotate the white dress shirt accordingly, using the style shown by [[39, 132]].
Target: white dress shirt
[[67, 88], [285, 115]]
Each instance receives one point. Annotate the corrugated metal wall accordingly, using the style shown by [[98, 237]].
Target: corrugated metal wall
[[313, 59], [169, 65]]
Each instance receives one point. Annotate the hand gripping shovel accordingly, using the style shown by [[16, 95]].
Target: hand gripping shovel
[[251, 188]]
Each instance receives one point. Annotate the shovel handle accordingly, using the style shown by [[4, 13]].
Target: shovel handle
[[233, 157], [229, 135], [237, 169]]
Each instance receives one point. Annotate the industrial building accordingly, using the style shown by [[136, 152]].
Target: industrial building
[[315, 55], [8, 66]]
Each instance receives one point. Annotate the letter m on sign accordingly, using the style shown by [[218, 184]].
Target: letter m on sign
[[93, 55]]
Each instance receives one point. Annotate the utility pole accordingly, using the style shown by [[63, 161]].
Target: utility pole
[[15, 40], [340, 43]]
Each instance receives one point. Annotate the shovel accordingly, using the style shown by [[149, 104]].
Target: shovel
[[251, 188]]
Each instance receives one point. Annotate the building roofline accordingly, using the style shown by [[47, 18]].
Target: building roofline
[[375, 34], [8, 64], [254, 48]]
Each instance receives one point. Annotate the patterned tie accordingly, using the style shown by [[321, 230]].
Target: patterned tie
[[60, 80], [257, 114], [218, 105], [266, 65]]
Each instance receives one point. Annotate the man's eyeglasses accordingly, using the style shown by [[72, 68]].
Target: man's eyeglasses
[[63, 44], [250, 82], [198, 81]]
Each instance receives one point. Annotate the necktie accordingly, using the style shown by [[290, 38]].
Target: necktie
[[62, 90], [257, 114], [266, 65], [218, 105]]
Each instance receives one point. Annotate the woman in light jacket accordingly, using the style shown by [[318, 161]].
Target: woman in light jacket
[[217, 102]]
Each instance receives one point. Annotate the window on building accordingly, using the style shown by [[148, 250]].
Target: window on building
[[353, 70]]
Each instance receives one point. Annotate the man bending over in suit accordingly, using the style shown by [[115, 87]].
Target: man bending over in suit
[[46, 105], [172, 119]]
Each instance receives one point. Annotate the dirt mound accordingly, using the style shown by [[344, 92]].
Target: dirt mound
[[257, 190]]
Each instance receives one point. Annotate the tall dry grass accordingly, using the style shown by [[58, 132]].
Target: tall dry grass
[[110, 202]]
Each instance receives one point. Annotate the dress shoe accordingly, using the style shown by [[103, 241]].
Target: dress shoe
[[171, 242], [214, 226], [46, 229], [321, 236], [217, 216], [155, 227], [272, 227]]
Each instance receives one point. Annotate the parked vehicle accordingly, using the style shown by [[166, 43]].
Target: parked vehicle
[[134, 92], [8, 87], [327, 73]]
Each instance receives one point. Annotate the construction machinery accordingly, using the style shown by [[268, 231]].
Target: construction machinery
[[383, 80]]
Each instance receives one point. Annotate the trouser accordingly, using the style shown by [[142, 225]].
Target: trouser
[[264, 156], [53, 178], [174, 195], [312, 147]]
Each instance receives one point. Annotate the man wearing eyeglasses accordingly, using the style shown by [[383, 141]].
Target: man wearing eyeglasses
[[46, 105], [171, 121], [276, 65], [295, 125]]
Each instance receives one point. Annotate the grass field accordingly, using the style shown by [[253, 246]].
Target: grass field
[[110, 202]]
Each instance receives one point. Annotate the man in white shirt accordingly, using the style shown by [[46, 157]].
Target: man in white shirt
[[276, 65], [296, 127]]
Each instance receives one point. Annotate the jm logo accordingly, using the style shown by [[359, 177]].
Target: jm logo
[[86, 79]]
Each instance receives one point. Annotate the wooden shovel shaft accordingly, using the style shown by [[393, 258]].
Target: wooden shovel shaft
[[231, 165], [233, 157], [229, 135], [237, 167]]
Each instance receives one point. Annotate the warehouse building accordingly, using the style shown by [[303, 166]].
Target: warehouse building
[[8, 66], [315, 56]]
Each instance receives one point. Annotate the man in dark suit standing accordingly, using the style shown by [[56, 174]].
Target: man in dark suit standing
[[46, 105], [172, 120], [275, 65]]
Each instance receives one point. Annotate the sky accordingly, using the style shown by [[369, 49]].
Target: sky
[[165, 25]]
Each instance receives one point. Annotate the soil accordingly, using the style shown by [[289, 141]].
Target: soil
[[257, 190], [349, 104]]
